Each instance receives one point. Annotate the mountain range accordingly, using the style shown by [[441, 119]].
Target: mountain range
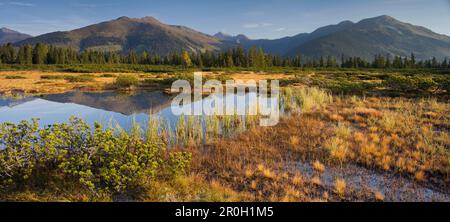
[[11, 36], [380, 35], [125, 34]]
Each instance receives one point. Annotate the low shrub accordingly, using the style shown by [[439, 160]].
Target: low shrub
[[71, 78], [107, 75], [410, 83], [15, 77], [126, 81], [100, 161], [80, 78], [52, 77]]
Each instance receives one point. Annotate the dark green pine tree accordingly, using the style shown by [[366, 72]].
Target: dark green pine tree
[[8, 54], [25, 55], [413, 61], [40, 54], [321, 62]]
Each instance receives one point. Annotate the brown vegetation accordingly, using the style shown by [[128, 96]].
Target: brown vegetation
[[394, 136]]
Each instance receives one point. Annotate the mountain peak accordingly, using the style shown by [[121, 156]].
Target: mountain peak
[[346, 22], [123, 18], [11, 36], [124, 34], [146, 19], [222, 36], [149, 19], [6, 30], [381, 19], [385, 17], [226, 37]]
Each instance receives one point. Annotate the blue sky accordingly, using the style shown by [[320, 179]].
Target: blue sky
[[255, 18]]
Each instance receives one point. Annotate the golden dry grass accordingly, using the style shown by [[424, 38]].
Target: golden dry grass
[[255, 162], [340, 186], [33, 84]]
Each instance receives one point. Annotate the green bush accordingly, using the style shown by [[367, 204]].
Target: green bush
[[410, 83], [80, 78], [126, 81], [425, 83], [102, 161], [52, 77], [74, 78], [179, 162], [15, 77], [107, 75], [444, 83]]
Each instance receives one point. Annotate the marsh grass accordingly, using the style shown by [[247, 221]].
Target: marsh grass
[[305, 99]]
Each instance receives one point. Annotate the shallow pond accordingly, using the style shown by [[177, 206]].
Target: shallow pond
[[107, 108]]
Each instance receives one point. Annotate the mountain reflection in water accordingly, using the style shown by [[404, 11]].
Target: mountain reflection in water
[[107, 108]]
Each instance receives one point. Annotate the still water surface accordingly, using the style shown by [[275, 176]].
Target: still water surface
[[107, 108]]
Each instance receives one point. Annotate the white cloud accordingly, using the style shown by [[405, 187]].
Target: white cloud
[[23, 4], [257, 25]]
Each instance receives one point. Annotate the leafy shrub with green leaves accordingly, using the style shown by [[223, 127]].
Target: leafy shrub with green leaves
[[179, 162], [444, 83], [410, 83], [80, 78], [343, 86], [102, 161], [126, 81]]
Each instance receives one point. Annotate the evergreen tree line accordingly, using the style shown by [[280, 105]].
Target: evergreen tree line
[[233, 57]]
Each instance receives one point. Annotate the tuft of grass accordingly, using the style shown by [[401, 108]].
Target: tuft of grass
[[379, 196], [319, 167], [297, 180], [294, 141], [340, 186], [248, 173], [316, 181], [338, 149], [313, 98], [419, 176], [254, 185], [190, 188]]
